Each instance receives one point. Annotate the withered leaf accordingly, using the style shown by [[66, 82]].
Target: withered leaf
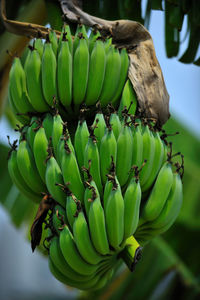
[[36, 228]]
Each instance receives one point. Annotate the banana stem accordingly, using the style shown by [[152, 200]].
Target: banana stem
[[131, 253]]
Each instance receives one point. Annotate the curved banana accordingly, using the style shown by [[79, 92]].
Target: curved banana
[[80, 33], [97, 66], [32, 131], [91, 193], [66, 30], [157, 163], [99, 127], [71, 173], [57, 131], [98, 227], [137, 158], [115, 124], [54, 41], [33, 70], [114, 215], [28, 169], [18, 89], [132, 200], [83, 241], [148, 155], [128, 99], [49, 66], [53, 177], [72, 256], [123, 75], [80, 141], [94, 35], [92, 160], [90, 282], [63, 267], [124, 154], [40, 147], [21, 118], [64, 74], [19, 180], [39, 46], [80, 72], [172, 206], [108, 153], [72, 206], [111, 78], [47, 124], [159, 193]]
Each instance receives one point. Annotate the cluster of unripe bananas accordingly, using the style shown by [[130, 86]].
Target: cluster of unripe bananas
[[107, 174]]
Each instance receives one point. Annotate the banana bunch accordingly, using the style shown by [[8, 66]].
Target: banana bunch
[[163, 205], [84, 145], [98, 179], [76, 71]]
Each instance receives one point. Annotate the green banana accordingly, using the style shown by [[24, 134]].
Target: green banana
[[33, 71], [137, 158], [28, 169], [159, 194], [123, 75], [132, 200], [114, 215], [72, 256], [94, 35], [32, 131], [39, 46], [40, 147], [128, 99], [172, 206], [19, 180], [64, 74], [71, 173], [47, 124], [80, 141], [99, 127], [83, 241], [91, 193], [157, 163], [22, 119], [54, 41], [61, 146], [66, 30], [98, 227], [18, 89], [87, 285], [57, 130], [80, 33], [49, 66], [59, 218], [148, 155], [116, 124], [97, 65], [108, 152], [124, 154], [92, 160], [59, 261], [53, 176], [80, 72], [111, 78], [72, 206]]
